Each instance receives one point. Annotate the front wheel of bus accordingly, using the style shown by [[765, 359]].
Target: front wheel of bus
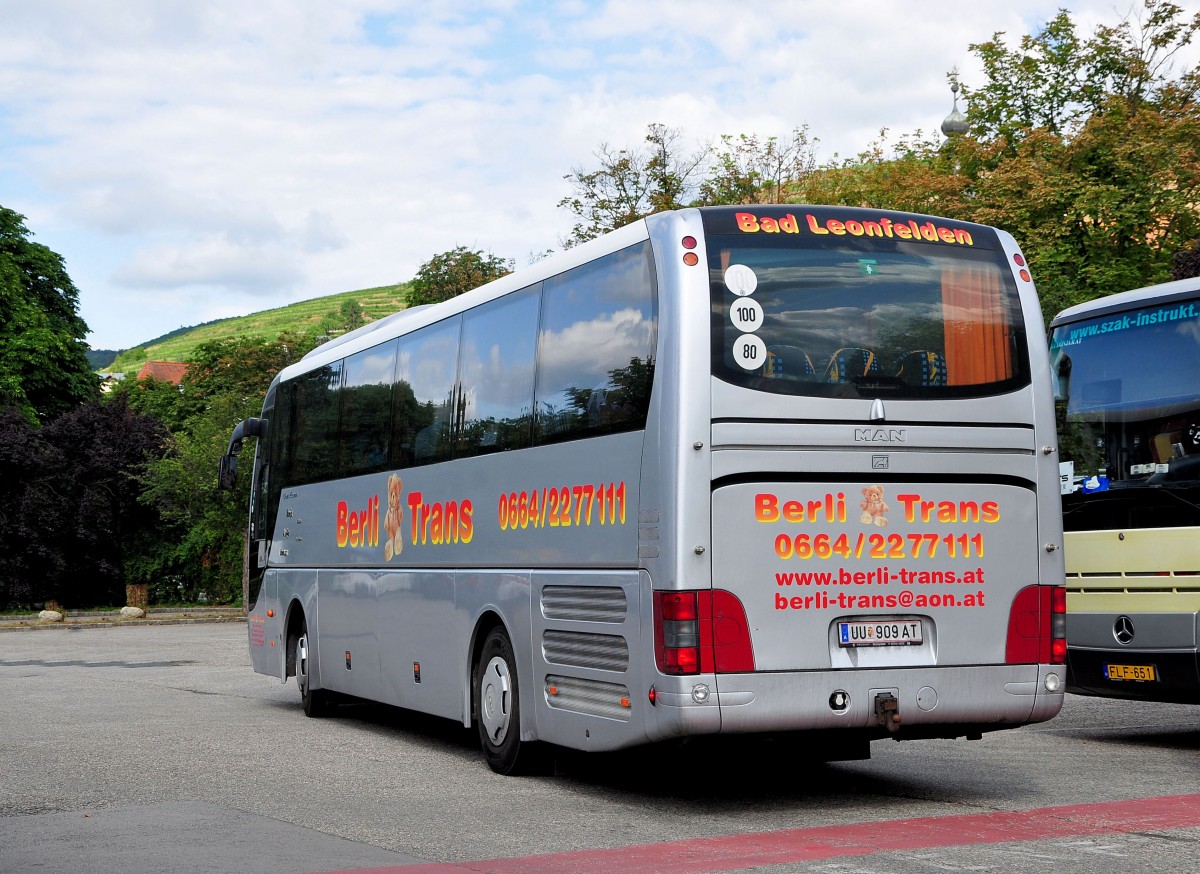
[[499, 707], [314, 701]]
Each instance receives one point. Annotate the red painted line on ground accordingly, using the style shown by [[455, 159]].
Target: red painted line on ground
[[735, 852]]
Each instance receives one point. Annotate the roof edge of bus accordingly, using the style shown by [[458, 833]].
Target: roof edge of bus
[[1124, 300], [369, 328], [426, 314]]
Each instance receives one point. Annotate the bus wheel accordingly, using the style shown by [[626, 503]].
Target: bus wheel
[[315, 701], [499, 706]]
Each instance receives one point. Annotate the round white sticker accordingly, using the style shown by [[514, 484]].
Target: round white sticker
[[749, 352], [741, 280], [746, 315]]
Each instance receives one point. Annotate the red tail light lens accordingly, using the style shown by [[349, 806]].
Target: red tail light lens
[[701, 632], [1058, 625], [677, 632], [1037, 626], [733, 653]]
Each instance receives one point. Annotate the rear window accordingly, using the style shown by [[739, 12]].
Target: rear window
[[850, 307]]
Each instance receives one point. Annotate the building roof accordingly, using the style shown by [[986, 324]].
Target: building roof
[[163, 371]]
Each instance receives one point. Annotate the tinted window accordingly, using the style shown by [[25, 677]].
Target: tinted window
[[423, 399], [366, 419], [865, 317], [496, 362], [596, 347], [315, 425]]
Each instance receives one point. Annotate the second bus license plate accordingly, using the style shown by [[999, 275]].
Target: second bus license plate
[[1136, 673], [887, 632]]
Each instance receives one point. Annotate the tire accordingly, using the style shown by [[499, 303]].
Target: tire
[[316, 702], [499, 708]]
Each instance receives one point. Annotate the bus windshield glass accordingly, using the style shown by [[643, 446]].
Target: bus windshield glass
[[865, 316], [1127, 396]]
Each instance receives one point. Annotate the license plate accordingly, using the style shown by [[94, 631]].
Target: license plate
[[889, 632], [1136, 673]]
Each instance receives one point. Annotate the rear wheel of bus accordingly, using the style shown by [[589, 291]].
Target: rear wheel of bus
[[499, 707]]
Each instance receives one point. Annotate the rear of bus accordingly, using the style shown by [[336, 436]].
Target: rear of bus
[[866, 407], [1127, 375]]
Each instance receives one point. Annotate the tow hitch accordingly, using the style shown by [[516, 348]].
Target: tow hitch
[[887, 711]]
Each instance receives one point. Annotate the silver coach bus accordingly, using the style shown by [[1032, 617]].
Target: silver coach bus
[[729, 470]]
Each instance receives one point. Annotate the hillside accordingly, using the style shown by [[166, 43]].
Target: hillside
[[268, 324]]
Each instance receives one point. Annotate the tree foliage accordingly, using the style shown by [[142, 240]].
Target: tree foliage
[[72, 519], [751, 169], [451, 273], [632, 183], [1056, 81], [1085, 149], [201, 530], [44, 369]]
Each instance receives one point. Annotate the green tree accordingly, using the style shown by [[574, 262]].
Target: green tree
[[346, 318], [352, 315], [451, 273], [630, 184], [200, 542], [1055, 81], [44, 369], [199, 545], [915, 174], [1085, 149], [749, 169], [1105, 211], [70, 518]]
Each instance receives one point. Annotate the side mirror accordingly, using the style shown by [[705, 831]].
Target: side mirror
[[227, 478]]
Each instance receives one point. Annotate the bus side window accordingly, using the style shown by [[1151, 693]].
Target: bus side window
[[596, 347], [495, 375], [422, 398], [316, 425], [366, 410]]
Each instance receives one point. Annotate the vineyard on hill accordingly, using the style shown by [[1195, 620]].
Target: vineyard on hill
[[303, 317]]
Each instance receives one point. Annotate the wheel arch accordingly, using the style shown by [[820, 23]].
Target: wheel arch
[[296, 624], [484, 623]]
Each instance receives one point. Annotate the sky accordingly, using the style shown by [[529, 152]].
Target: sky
[[192, 161]]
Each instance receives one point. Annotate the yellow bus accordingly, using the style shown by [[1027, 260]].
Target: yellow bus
[[1127, 371]]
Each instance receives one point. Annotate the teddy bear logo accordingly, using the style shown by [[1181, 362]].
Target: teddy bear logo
[[874, 509], [394, 543]]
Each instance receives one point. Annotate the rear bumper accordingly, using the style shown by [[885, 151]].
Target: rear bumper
[[960, 699], [1177, 672]]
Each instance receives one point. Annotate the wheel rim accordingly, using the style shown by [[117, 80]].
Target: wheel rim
[[495, 700], [302, 664]]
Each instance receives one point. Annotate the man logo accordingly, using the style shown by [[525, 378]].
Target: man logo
[[880, 435]]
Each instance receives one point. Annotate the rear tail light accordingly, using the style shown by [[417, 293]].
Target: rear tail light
[[1037, 626], [1058, 625], [701, 632], [677, 632]]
